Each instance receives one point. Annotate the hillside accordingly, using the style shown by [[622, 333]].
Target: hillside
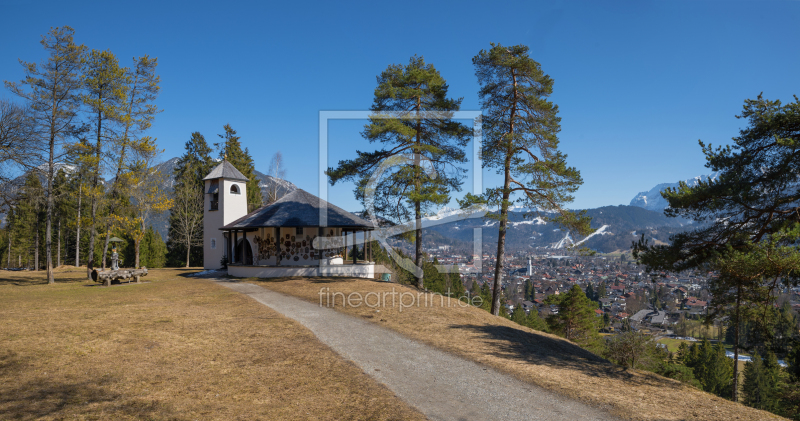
[[536, 357]]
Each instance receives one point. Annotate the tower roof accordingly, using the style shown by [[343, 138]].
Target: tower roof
[[227, 171], [298, 209]]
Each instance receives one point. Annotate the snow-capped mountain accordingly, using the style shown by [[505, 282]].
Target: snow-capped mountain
[[616, 227], [652, 200]]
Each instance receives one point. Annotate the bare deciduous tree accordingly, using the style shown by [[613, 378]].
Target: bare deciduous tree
[[187, 214], [278, 172], [17, 145]]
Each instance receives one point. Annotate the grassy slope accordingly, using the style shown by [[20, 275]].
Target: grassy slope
[[533, 356], [174, 348]]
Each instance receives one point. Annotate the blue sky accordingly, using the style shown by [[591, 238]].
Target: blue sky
[[637, 83]]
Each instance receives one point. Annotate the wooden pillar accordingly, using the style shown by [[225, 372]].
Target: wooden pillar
[[230, 247], [244, 241], [278, 244], [235, 244], [355, 247]]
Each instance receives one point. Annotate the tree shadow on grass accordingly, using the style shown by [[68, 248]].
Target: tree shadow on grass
[[29, 278], [509, 343], [59, 398]]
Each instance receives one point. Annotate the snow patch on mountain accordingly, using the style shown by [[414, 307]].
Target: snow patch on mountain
[[600, 231], [564, 242], [567, 241], [535, 221], [652, 200]]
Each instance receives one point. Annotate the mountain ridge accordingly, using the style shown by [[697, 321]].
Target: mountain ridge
[[652, 200]]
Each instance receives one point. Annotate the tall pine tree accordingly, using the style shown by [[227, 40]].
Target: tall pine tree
[[231, 150], [105, 90], [411, 119], [52, 91], [520, 140]]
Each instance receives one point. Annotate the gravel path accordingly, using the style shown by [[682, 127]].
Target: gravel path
[[440, 385]]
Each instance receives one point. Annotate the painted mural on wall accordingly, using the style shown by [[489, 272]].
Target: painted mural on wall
[[296, 247]]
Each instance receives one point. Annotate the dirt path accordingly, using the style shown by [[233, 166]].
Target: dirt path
[[440, 385]]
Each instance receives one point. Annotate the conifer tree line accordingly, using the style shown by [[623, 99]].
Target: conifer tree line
[[185, 239], [76, 128], [748, 231]]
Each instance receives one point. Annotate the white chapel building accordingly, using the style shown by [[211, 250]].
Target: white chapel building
[[297, 235]]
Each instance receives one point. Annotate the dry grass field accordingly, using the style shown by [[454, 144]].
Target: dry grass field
[[533, 356], [173, 348]]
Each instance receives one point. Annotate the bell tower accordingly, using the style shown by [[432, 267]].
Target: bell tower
[[225, 201]]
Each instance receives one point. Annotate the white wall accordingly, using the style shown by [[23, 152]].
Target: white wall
[[353, 271], [231, 207]]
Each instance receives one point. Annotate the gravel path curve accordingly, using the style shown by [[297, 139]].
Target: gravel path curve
[[440, 385]]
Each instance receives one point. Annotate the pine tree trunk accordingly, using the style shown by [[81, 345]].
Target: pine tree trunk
[[735, 391], [501, 235], [58, 262], [9, 247], [418, 205], [95, 182], [78, 230], [48, 240], [36, 246]]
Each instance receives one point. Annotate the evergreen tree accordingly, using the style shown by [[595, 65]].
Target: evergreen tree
[[105, 90], [486, 297], [784, 329], [52, 89], [520, 128], [719, 374], [136, 115], [747, 200], [231, 150], [683, 352], [575, 320], [590, 293], [535, 322], [601, 291], [527, 290], [153, 250], [186, 216], [411, 117], [772, 377], [26, 221], [755, 386], [518, 315], [436, 280], [453, 283]]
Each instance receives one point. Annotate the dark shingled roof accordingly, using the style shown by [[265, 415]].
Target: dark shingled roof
[[298, 209], [225, 170]]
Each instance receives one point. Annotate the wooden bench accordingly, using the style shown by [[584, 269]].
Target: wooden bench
[[106, 276]]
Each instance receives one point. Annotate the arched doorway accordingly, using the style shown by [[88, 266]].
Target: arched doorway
[[244, 251]]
